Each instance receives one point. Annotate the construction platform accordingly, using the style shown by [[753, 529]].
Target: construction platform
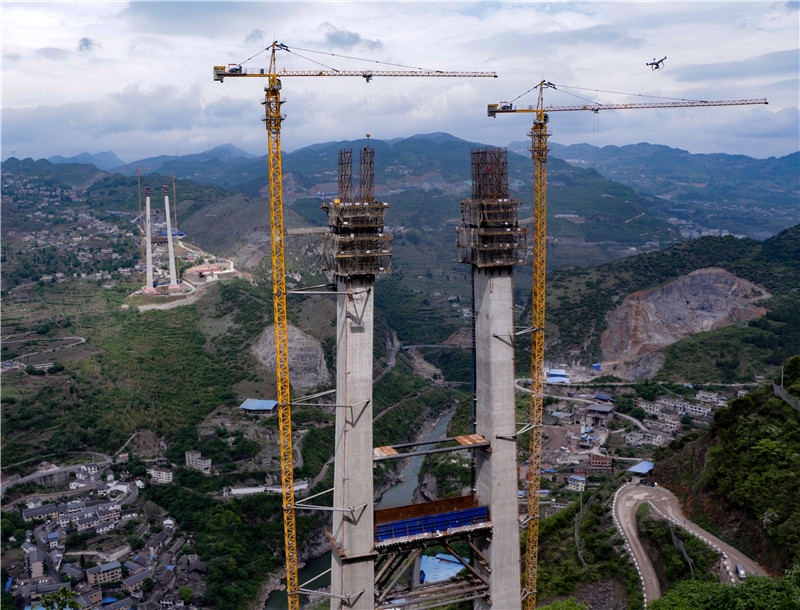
[[467, 441], [419, 521]]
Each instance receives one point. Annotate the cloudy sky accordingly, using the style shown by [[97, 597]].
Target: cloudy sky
[[135, 77]]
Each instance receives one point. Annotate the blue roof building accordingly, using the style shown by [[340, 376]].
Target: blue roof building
[[253, 405], [643, 467]]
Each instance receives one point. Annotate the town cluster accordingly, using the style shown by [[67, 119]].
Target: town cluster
[[155, 572]]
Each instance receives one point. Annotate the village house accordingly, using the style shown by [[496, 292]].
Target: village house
[[159, 475], [576, 483], [195, 460], [600, 464], [108, 572]]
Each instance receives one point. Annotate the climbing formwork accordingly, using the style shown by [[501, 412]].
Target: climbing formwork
[[490, 235]]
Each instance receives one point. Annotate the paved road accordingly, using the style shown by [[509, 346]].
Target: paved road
[[627, 500], [633, 419], [45, 473]]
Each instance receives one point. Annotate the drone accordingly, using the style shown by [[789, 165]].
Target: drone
[[656, 63]]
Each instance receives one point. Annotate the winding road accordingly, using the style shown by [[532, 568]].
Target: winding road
[[627, 500]]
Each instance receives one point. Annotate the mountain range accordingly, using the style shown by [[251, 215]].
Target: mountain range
[[689, 187], [695, 193]]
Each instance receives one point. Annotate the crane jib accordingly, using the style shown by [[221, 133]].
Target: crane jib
[[221, 72], [505, 108]]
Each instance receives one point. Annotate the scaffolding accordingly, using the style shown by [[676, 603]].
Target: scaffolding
[[490, 235], [356, 243]]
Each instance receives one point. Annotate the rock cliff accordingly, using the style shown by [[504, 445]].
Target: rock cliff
[[703, 300], [307, 367]]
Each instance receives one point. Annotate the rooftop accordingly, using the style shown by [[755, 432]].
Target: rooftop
[[641, 468], [253, 404], [105, 567]]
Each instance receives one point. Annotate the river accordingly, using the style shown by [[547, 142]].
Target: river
[[397, 495]]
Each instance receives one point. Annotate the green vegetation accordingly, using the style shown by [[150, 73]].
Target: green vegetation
[[455, 364], [715, 189], [746, 464], [63, 599], [756, 593], [240, 540], [416, 321], [736, 353], [121, 192], [567, 604], [579, 300], [560, 570], [671, 567]]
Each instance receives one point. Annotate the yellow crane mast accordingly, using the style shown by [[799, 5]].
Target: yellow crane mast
[[539, 150], [272, 104]]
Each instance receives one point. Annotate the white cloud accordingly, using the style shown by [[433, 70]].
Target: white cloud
[[136, 78]]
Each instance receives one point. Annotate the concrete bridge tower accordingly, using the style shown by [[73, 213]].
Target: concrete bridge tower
[[355, 250], [491, 240], [173, 278], [148, 241]]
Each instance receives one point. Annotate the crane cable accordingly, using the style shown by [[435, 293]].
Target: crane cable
[[283, 47], [657, 97], [373, 61], [563, 88]]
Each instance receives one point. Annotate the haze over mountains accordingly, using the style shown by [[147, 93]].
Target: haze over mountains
[[728, 193]]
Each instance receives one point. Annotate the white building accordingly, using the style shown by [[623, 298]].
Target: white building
[[160, 476], [638, 438], [195, 460], [698, 411], [576, 483], [649, 407], [707, 397]]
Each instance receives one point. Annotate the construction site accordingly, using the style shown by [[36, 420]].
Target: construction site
[[376, 555]]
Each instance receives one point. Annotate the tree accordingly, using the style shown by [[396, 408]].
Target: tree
[[148, 585], [136, 543], [756, 592], [186, 594], [7, 601], [63, 599], [566, 604]]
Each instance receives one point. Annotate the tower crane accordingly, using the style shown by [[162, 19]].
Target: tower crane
[[273, 119], [539, 150]]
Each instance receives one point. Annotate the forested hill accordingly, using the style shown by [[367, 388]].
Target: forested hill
[[741, 476], [731, 189], [577, 295]]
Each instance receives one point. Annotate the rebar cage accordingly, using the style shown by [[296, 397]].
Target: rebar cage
[[356, 243], [490, 235]]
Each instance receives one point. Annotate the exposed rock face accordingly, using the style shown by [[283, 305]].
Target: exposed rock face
[[640, 369], [307, 366], [704, 300]]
